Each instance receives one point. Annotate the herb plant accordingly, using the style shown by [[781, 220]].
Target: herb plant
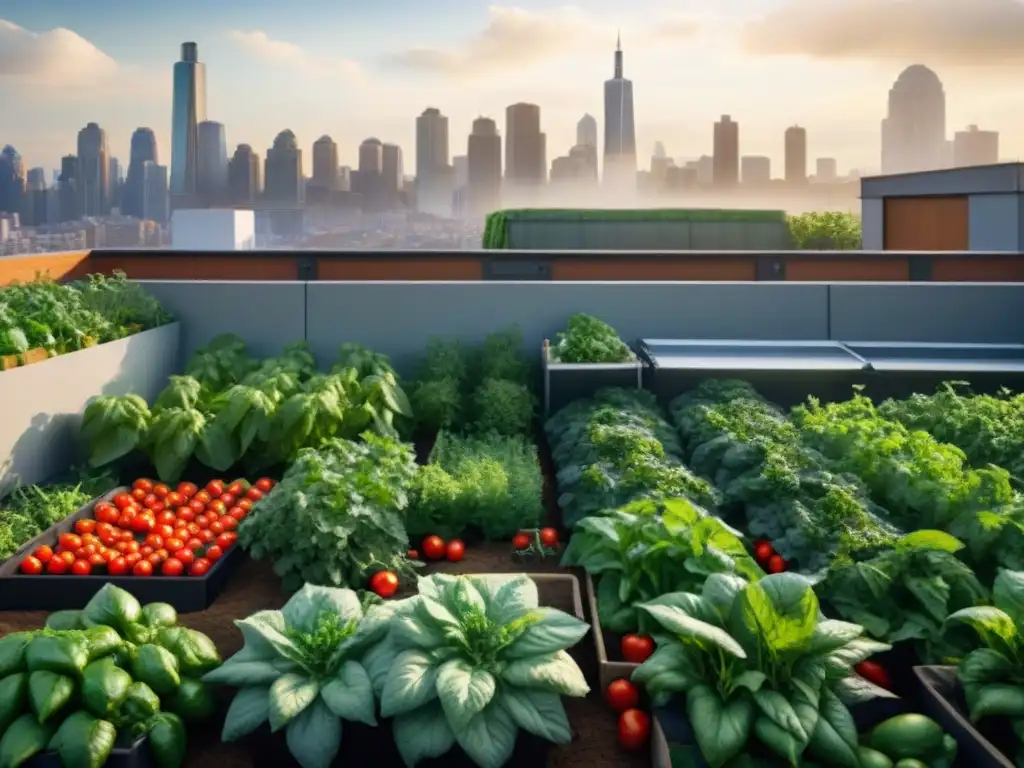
[[649, 548], [30, 510], [436, 404], [469, 661], [587, 339], [501, 356], [503, 407], [762, 671], [301, 669], [336, 515]]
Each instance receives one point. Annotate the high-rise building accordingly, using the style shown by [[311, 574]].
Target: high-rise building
[[325, 164], [12, 181], [116, 176], [283, 174], [756, 170], [586, 132], [914, 132], [975, 147], [211, 163], [188, 109], [796, 155], [143, 150], [619, 128], [434, 176], [368, 176], [392, 172], [826, 170], [726, 156], [525, 147], [67, 188], [483, 152], [93, 171], [243, 175], [155, 198]]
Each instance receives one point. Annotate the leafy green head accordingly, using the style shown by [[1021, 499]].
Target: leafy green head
[[758, 660], [301, 669], [470, 660]]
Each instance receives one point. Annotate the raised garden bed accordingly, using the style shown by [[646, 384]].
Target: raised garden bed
[[610, 665], [50, 592], [566, 382], [37, 355]]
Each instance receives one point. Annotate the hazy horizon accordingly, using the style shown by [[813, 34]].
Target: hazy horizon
[[317, 68]]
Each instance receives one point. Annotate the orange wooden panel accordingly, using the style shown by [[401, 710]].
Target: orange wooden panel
[[926, 224], [829, 269], [200, 267], [384, 268], [627, 268], [968, 270], [22, 269]]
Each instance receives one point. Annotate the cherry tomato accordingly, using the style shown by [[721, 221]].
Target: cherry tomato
[[238, 513], [199, 567], [58, 566], [97, 560], [154, 540], [81, 568], [236, 489], [763, 550], [164, 531], [188, 490], [412, 554], [384, 583], [521, 541], [254, 494], [776, 564], [173, 499], [549, 537], [227, 522], [143, 484], [194, 543], [43, 554], [143, 524], [227, 499], [203, 521], [634, 729], [264, 485], [166, 518], [150, 500], [33, 566], [143, 568], [455, 550], [187, 514], [172, 567], [213, 553], [158, 507], [226, 540], [217, 507], [433, 548], [161, 490], [106, 513], [132, 559], [216, 527], [636, 649], [875, 673], [117, 567], [245, 504], [215, 488], [133, 546], [85, 526], [185, 556], [197, 505], [69, 542], [123, 501], [206, 536], [622, 695], [139, 495]]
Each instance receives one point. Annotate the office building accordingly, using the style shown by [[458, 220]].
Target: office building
[[525, 147], [156, 204], [188, 109], [435, 182], [619, 128], [796, 155], [93, 171], [67, 189], [368, 177], [143, 150], [975, 147], [726, 157], [12, 181], [284, 182], [826, 170], [325, 164], [243, 176], [483, 159], [586, 132], [756, 170], [914, 131], [392, 173], [212, 163]]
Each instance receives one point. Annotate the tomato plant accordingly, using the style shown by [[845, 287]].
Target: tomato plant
[[455, 550], [622, 695], [433, 548], [384, 583], [634, 729], [636, 649]]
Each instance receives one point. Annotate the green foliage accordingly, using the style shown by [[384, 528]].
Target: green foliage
[[437, 404], [587, 339], [647, 549], [763, 672], [502, 356], [502, 406], [470, 661], [30, 510], [444, 359], [490, 482], [825, 231], [301, 669], [336, 515]]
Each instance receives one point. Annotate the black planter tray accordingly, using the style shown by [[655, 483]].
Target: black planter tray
[[942, 699], [45, 592], [124, 755]]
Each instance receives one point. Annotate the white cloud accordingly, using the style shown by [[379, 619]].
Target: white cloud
[[260, 44], [57, 57]]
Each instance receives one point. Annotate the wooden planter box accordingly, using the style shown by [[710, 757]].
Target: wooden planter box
[[7, 362]]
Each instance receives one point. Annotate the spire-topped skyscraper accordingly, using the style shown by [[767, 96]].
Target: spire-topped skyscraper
[[619, 127]]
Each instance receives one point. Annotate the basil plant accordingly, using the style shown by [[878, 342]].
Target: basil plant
[[470, 661], [761, 669], [301, 669]]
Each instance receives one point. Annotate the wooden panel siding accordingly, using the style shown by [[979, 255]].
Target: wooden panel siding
[[384, 268], [840, 269], [926, 224], [199, 267], [980, 270], [718, 268], [59, 266]]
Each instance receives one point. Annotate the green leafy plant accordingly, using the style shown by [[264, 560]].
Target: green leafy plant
[[32, 509], [444, 359], [587, 339], [825, 231], [502, 406], [113, 426], [906, 593], [761, 670], [649, 548], [336, 514], [501, 356], [469, 661], [437, 404], [302, 670]]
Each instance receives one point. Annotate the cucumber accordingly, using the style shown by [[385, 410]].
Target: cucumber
[[872, 758], [907, 736]]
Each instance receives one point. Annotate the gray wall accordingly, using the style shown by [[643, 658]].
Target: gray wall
[[653, 235], [978, 179], [994, 222], [872, 224]]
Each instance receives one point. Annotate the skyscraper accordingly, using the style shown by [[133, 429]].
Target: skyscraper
[[211, 162], [12, 181], [796, 155], [155, 199], [243, 175], [67, 188], [143, 150], [434, 176], [619, 127], [726, 155], [188, 109], [284, 181], [392, 173], [525, 146], [483, 152], [325, 163], [975, 147], [368, 176], [826, 170], [914, 132], [756, 170], [586, 132], [93, 171]]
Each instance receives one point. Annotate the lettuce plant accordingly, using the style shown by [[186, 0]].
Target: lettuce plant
[[301, 669], [469, 661], [761, 669]]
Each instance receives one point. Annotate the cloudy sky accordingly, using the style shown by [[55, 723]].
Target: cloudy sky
[[354, 70]]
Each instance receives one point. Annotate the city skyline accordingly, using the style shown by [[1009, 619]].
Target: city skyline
[[386, 79]]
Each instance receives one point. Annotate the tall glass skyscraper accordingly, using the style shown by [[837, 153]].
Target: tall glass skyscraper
[[187, 111], [619, 127]]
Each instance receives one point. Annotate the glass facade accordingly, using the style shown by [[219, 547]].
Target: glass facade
[[187, 111]]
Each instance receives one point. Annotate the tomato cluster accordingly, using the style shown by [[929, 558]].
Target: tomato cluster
[[435, 548], [768, 558], [152, 530], [541, 540], [634, 724]]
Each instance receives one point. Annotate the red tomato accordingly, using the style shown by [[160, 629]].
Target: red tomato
[[433, 548], [32, 566], [203, 521], [238, 513], [153, 558], [68, 558], [123, 500], [226, 540], [85, 526], [125, 521], [201, 497], [132, 559], [216, 527], [172, 567], [188, 490], [139, 495], [69, 541], [187, 514], [776, 564], [97, 560], [236, 489], [174, 544], [186, 556], [194, 543], [106, 513], [43, 554], [143, 524], [173, 499], [549, 537], [227, 522], [622, 695], [384, 583], [161, 490], [150, 500], [455, 550], [636, 649], [521, 541], [254, 494], [164, 531], [154, 540], [166, 518], [206, 536], [763, 551], [245, 504], [412, 554], [214, 553], [117, 567], [199, 567], [81, 568], [227, 499], [143, 484], [142, 568], [265, 484], [875, 673], [158, 507], [634, 729], [217, 507], [215, 488], [58, 566]]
